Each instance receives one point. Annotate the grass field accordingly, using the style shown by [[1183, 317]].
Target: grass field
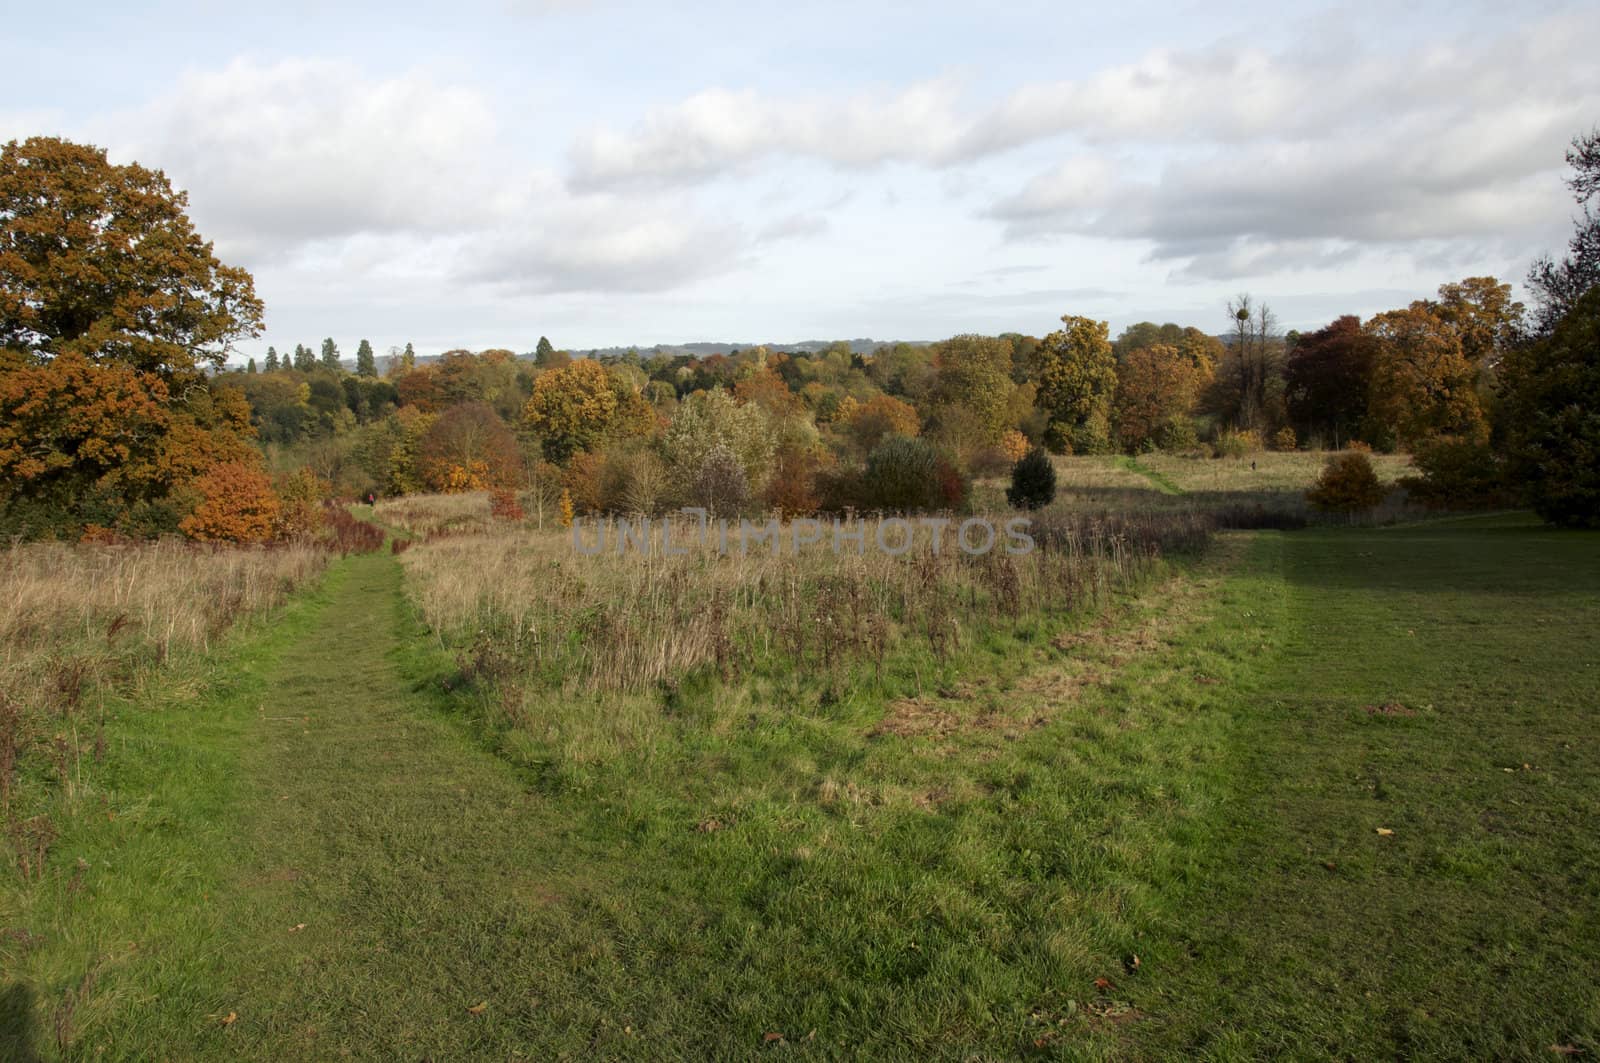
[[1317, 794], [1271, 481]]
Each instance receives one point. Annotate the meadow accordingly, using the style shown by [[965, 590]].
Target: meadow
[[1126, 796]]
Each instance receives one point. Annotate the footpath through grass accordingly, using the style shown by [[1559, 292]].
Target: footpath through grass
[[1156, 837]]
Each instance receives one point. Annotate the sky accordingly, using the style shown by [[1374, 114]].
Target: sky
[[606, 173]]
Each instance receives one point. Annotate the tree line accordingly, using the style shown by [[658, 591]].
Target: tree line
[[116, 322]]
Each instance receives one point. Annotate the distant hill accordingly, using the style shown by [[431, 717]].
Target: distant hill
[[862, 345]]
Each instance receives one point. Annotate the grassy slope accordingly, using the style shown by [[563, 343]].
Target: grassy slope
[[1171, 786], [1473, 931]]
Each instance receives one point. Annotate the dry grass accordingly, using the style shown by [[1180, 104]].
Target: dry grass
[[424, 515], [522, 605], [1286, 471], [87, 620]]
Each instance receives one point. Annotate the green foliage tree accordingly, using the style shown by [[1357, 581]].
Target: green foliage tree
[[708, 419], [902, 476], [1033, 481], [250, 367], [272, 359], [1077, 375], [543, 353], [330, 356], [366, 362], [1549, 425], [305, 360], [973, 383], [1559, 286]]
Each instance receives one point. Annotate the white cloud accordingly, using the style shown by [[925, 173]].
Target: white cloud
[[713, 131], [276, 155], [601, 243]]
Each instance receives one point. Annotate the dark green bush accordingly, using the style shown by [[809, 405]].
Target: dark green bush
[[1033, 481]]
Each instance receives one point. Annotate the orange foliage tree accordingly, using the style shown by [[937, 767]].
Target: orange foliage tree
[[112, 309], [237, 504], [1156, 388], [469, 449], [880, 416]]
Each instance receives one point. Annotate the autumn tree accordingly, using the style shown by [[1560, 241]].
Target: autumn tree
[[1423, 384], [1156, 389], [570, 409], [102, 261], [469, 449], [1077, 378], [1328, 378], [1484, 315], [366, 362], [237, 504], [881, 415], [112, 312]]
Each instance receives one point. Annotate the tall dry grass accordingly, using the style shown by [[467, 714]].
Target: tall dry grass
[[86, 621], [525, 607], [423, 515]]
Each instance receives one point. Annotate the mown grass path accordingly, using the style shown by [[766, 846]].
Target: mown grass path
[[317, 856]]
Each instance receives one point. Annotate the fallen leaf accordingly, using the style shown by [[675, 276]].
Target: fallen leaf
[[1330, 865], [230, 1018], [770, 1036], [1566, 1050], [1136, 961], [1385, 831], [1102, 983], [297, 928], [479, 1008]]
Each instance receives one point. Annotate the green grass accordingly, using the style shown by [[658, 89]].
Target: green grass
[[1171, 784]]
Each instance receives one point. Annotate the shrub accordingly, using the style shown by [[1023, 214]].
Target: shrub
[[503, 505], [1033, 481], [720, 485], [300, 496], [1285, 439], [237, 504], [1457, 474], [633, 480], [348, 535], [1014, 445], [1233, 444], [989, 462], [1177, 435], [584, 482], [793, 490], [952, 485], [902, 475], [1347, 484]]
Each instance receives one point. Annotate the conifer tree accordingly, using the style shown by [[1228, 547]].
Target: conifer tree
[[366, 364], [272, 359], [330, 355]]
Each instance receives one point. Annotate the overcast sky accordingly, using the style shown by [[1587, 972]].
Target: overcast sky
[[476, 175]]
